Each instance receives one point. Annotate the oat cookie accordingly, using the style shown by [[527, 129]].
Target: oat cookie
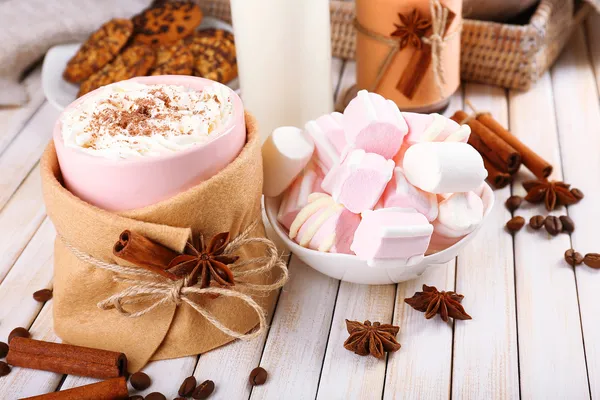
[[173, 60], [135, 60], [166, 22], [214, 54], [98, 50]]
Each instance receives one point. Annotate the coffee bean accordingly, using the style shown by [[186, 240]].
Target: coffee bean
[[179, 398], [136, 397], [573, 258], [4, 368], [155, 396], [592, 260], [187, 387], [537, 221], [140, 381], [204, 390], [513, 203], [43, 295], [18, 332], [567, 224], [553, 225], [578, 194], [3, 349], [258, 376], [515, 224]]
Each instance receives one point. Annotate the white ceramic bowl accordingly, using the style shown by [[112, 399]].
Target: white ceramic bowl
[[350, 268]]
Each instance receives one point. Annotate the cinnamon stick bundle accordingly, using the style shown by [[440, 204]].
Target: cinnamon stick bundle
[[504, 157], [112, 389], [65, 358], [143, 252], [536, 164], [497, 178]]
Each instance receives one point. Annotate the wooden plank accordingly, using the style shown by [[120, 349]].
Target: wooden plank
[[25, 151], [346, 375], [298, 336], [578, 120], [485, 363], [592, 25], [33, 271], [19, 220], [12, 119], [410, 373], [547, 309]]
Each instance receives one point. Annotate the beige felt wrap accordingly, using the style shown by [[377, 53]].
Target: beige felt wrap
[[229, 201]]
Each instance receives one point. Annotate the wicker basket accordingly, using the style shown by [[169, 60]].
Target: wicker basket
[[511, 56]]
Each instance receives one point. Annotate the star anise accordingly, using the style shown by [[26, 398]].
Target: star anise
[[205, 263], [375, 339], [551, 193], [412, 29], [432, 302]]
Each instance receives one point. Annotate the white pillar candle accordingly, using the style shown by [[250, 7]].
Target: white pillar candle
[[284, 60]]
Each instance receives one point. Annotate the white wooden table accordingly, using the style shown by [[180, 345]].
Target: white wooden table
[[535, 331]]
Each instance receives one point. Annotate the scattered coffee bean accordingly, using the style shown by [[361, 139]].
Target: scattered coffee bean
[[204, 390], [3, 349], [553, 225], [136, 397], [592, 260], [140, 381], [258, 376], [568, 225], [43, 295], [513, 203], [578, 194], [18, 332], [537, 221], [155, 396], [573, 258], [515, 224], [4, 368], [179, 398], [187, 387]]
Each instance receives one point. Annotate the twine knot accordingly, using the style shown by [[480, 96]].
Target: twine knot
[[151, 290]]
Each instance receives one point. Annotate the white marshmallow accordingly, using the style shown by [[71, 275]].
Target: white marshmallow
[[285, 153], [444, 167]]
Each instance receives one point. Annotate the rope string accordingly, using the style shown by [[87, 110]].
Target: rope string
[[147, 287]]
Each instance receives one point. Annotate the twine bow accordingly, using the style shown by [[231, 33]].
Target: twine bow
[[437, 40], [147, 287]]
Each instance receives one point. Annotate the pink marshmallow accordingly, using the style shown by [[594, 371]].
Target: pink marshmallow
[[296, 196], [392, 235], [434, 128], [324, 225], [400, 193], [329, 138], [374, 124], [459, 214], [359, 181]]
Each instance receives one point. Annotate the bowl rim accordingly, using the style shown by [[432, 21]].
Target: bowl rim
[[226, 131], [271, 208]]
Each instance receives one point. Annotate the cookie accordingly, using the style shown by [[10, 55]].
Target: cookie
[[173, 60], [166, 22], [214, 54], [135, 60], [98, 50]]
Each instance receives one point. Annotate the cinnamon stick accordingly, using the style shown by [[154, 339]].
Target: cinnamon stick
[[536, 164], [488, 144], [65, 358], [496, 178], [112, 389], [417, 66], [143, 252]]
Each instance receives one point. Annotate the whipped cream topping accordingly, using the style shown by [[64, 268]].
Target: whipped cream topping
[[130, 119]]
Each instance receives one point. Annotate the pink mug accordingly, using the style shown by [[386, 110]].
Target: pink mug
[[125, 184]]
